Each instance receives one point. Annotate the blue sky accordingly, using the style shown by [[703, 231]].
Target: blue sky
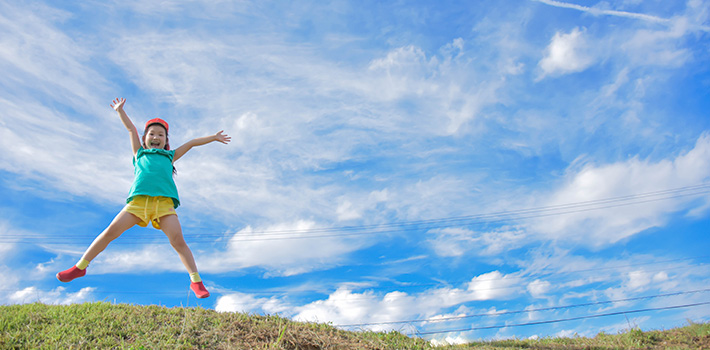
[[454, 165]]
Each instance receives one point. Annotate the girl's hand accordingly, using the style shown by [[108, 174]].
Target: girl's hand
[[118, 103], [222, 137]]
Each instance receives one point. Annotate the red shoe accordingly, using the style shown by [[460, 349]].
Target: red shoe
[[199, 290], [69, 275]]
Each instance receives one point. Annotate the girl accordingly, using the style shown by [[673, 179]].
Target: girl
[[153, 197]]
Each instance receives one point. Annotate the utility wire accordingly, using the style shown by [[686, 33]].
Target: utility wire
[[443, 319], [515, 286], [394, 227], [443, 224], [492, 314], [704, 186], [508, 278], [403, 285], [566, 319], [531, 310]]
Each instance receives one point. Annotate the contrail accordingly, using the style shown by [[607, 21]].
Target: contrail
[[596, 11]]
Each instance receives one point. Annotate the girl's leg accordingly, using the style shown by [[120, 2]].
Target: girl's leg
[[171, 226], [122, 222]]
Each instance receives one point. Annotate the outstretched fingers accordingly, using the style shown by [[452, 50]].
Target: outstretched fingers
[[223, 138], [118, 103]]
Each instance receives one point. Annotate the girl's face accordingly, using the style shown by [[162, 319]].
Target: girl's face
[[155, 137]]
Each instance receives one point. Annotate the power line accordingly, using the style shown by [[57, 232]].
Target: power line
[[491, 314], [413, 285], [394, 227], [679, 190], [270, 292], [548, 274], [445, 222], [566, 319], [351, 298], [442, 224], [444, 319]]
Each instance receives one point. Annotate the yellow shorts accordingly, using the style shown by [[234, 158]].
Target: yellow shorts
[[150, 209]]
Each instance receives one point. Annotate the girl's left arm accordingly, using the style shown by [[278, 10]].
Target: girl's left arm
[[219, 137]]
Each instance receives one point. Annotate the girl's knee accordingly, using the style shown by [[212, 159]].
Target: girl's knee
[[112, 234], [178, 243]]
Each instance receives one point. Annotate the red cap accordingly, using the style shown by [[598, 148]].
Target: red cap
[[157, 121]]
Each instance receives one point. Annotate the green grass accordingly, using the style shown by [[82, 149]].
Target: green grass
[[109, 326]]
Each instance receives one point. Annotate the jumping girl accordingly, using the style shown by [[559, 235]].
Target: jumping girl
[[153, 197]]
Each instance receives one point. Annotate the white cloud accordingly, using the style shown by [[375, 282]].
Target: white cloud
[[283, 250], [8, 235], [346, 211], [262, 93], [55, 296], [31, 49], [492, 285], [563, 278], [45, 146], [346, 307], [423, 197], [299, 117], [181, 67], [356, 205], [240, 302], [279, 250], [452, 241], [453, 88], [567, 53], [638, 279], [566, 333], [148, 259], [197, 9], [641, 279], [12, 278], [538, 288], [404, 71], [41, 138], [605, 224], [660, 277], [457, 241], [658, 45], [450, 340]]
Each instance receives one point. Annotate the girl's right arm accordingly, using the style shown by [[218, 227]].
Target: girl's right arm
[[117, 104]]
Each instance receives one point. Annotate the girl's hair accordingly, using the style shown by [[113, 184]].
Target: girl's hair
[[167, 141]]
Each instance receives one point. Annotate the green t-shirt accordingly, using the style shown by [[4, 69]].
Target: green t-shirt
[[153, 170]]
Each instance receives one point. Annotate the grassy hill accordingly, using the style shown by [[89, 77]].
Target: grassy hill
[[109, 326]]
